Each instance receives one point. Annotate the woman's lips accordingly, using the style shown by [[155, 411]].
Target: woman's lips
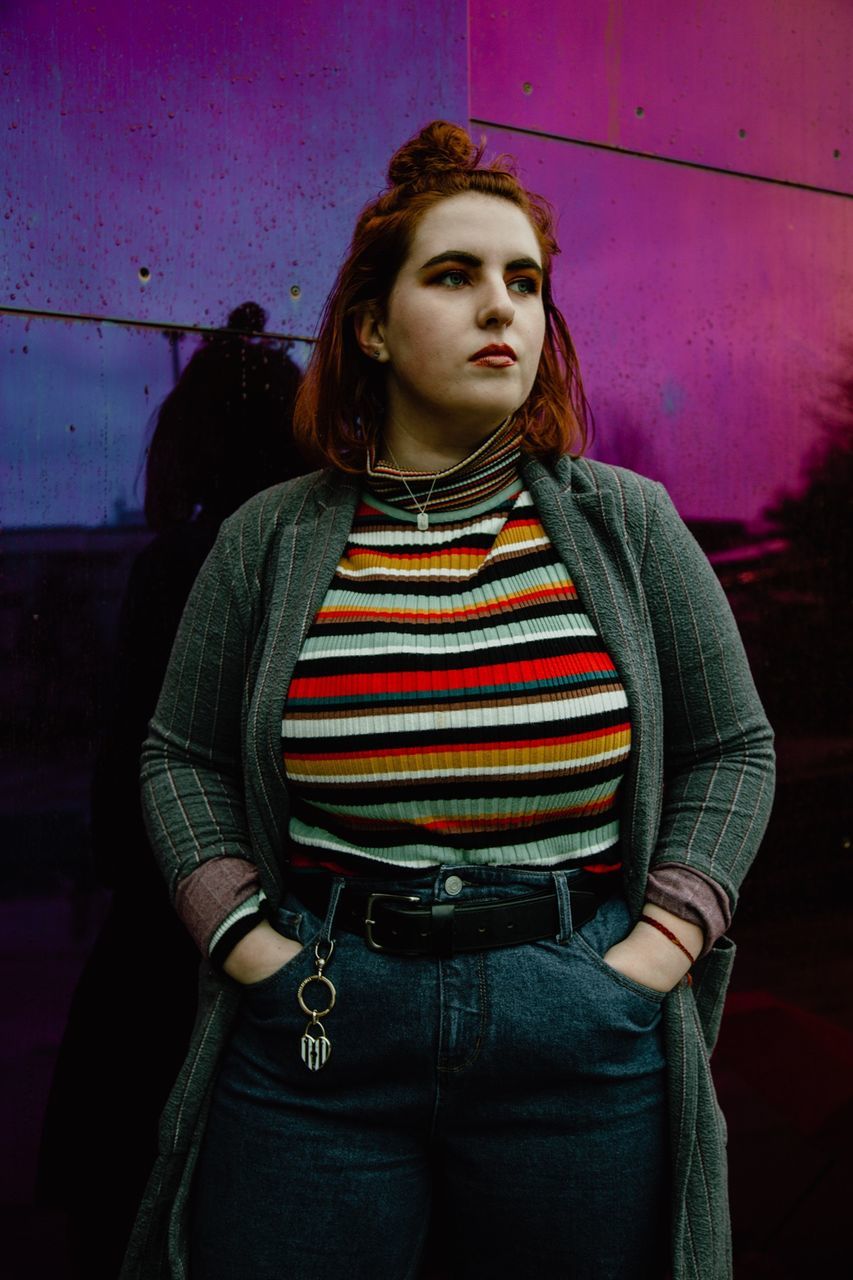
[[495, 362], [497, 359]]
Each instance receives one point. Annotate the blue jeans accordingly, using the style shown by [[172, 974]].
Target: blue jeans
[[517, 1095]]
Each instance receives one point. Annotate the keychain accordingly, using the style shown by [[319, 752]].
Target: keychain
[[316, 1046]]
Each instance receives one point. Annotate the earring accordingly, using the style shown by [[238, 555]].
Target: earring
[[377, 355]]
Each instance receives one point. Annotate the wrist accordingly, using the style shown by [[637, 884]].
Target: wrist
[[650, 957], [685, 934]]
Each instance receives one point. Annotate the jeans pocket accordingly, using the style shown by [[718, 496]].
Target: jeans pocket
[[293, 925], [610, 924]]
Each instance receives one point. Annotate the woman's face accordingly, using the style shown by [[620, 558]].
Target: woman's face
[[464, 325]]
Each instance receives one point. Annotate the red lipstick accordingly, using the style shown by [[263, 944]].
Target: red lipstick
[[495, 356]]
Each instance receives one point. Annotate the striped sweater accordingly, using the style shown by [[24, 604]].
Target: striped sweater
[[452, 701]]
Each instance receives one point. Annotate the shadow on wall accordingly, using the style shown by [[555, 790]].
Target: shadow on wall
[[221, 435]]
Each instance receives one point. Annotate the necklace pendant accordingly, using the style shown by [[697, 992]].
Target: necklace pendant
[[423, 520]]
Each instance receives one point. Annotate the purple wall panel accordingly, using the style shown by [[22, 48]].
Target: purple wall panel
[[762, 86], [227, 152], [710, 314], [75, 402]]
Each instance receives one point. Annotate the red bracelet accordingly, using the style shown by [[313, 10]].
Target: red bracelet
[[667, 933]]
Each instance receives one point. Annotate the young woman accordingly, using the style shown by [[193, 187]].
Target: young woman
[[455, 773]]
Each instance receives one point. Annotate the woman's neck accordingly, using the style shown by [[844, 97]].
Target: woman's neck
[[429, 452], [487, 475]]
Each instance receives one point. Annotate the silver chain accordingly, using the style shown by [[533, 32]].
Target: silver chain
[[423, 517]]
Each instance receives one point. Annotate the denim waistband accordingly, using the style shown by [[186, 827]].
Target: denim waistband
[[464, 878]]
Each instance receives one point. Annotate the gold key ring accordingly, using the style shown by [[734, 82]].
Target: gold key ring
[[327, 982]]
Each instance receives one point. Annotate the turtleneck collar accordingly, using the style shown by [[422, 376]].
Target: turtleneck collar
[[482, 479]]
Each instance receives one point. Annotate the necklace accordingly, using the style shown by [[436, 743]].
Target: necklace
[[423, 517]]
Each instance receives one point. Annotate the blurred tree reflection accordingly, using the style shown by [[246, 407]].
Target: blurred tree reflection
[[816, 520], [815, 612]]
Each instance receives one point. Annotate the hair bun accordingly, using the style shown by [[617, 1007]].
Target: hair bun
[[440, 147]]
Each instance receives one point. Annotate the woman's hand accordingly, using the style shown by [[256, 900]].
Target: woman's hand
[[259, 954], [648, 957]]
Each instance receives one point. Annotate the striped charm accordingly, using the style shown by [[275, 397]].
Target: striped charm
[[316, 1047]]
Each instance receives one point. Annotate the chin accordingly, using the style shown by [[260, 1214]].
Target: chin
[[495, 409]]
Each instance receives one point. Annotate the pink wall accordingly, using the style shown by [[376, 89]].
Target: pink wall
[[709, 299], [681, 79], [708, 311]]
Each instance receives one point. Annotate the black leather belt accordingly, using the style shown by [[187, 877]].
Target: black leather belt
[[392, 922]]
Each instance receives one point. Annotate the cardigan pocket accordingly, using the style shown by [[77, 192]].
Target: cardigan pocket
[[711, 977]]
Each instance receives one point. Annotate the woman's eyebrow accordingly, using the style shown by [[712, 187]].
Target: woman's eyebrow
[[471, 260], [529, 263], [453, 255]]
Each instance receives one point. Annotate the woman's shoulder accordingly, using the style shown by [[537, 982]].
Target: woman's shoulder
[[268, 512], [604, 477], [570, 478], [629, 505]]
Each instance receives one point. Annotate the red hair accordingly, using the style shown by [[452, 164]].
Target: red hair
[[340, 409]]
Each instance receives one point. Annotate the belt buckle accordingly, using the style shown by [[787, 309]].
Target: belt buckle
[[369, 922]]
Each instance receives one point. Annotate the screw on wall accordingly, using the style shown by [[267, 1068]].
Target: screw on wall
[[144, 274], [295, 291], [639, 111], [527, 87], [741, 133]]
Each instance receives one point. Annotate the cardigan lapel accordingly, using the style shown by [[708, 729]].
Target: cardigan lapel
[[586, 526], [302, 568]]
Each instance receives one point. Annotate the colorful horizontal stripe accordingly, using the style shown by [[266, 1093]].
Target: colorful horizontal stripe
[[483, 477], [452, 701]]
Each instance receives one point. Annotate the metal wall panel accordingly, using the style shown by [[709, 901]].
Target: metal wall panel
[[77, 402], [222, 150], [163, 163], [761, 86], [710, 312]]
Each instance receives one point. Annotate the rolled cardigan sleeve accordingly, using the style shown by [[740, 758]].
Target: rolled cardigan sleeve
[[718, 745], [191, 774]]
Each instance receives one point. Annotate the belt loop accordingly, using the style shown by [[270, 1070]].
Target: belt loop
[[564, 906], [325, 933], [441, 918]]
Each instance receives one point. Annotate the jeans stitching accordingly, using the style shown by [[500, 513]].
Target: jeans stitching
[[484, 1013]]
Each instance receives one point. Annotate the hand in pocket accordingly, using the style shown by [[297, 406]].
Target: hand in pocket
[[260, 954]]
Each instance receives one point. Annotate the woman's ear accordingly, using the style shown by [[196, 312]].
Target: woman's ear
[[370, 333]]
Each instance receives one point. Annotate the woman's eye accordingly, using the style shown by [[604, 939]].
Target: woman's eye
[[453, 279], [525, 284]]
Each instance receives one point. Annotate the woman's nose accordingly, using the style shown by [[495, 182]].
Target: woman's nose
[[496, 308]]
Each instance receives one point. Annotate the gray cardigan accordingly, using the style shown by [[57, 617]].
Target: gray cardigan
[[697, 791]]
